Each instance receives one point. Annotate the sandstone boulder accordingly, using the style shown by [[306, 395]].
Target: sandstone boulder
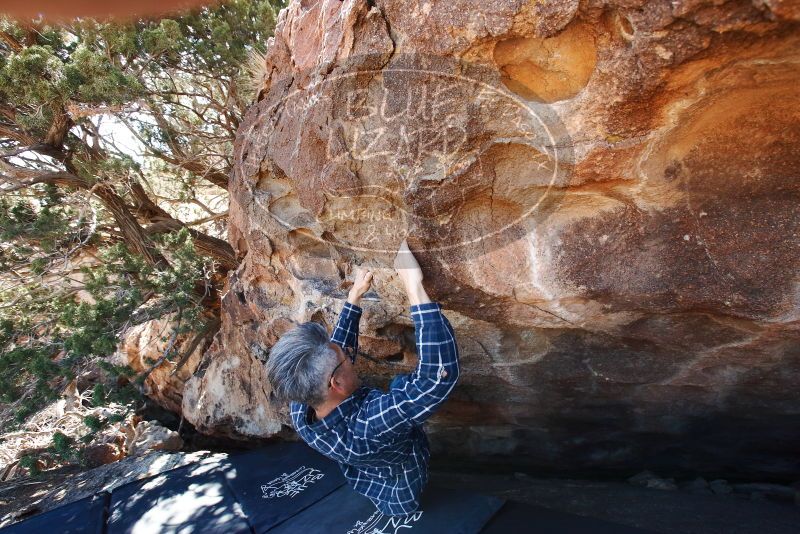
[[605, 199], [98, 454], [143, 348], [148, 436]]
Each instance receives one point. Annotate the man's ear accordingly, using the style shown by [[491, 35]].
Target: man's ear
[[337, 385]]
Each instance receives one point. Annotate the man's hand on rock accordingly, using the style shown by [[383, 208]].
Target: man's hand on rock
[[410, 273], [362, 280]]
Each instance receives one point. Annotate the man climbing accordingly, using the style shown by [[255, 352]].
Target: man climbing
[[375, 437]]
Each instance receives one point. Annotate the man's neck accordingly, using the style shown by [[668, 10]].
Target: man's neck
[[326, 408]]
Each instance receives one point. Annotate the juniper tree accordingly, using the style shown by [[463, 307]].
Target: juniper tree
[[69, 189]]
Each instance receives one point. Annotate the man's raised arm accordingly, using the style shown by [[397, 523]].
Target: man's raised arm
[[417, 396], [345, 333]]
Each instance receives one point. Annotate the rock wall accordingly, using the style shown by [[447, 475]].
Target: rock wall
[[605, 200], [143, 348]]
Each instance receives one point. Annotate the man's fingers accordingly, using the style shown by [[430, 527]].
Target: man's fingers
[[405, 258], [367, 278], [362, 277]]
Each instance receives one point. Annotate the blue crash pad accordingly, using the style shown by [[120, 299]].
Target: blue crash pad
[[441, 511], [84, 516], [288, 488], [184, 500], [277, 482]]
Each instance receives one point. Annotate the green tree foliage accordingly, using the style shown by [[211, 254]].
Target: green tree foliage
[[176, 88], [32, 367]]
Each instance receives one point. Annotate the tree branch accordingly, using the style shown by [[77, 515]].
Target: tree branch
[[134, 234]]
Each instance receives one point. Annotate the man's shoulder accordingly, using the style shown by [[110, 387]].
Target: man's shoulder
[[366, 395], [296, 407], [297, 412], [366, 402]]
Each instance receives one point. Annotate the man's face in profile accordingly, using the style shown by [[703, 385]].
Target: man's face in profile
[[344, 380]]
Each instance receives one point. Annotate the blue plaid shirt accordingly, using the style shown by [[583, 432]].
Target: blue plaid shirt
[[376, 437]]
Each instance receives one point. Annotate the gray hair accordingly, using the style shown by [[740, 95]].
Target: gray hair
[[300, 364]]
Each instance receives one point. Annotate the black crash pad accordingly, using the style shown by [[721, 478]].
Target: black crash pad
[[84, 516], [518, 517], [277, 482], [441, 511], [195, 498]]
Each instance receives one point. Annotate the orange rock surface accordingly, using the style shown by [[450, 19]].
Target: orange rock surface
[[605, 200]]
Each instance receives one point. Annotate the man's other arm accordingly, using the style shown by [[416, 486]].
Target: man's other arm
[[417, 398], [345, 333]]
